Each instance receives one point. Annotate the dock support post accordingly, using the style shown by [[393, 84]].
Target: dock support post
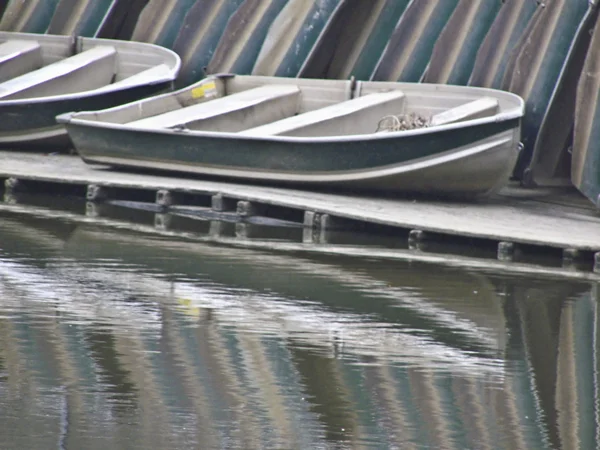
[[246, 209], [10, 198], [162, 221], [93, 209], [311, 225], [572, 257], [317, 228], [216, 228], [416, 238], [96, 193], [507, 251], [12, 185], [325, 228], [165, 198], [220, 203], [244, 230], [597, 262], [249, 209]]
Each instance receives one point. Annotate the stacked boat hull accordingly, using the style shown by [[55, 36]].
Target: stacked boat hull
[[43, 76]]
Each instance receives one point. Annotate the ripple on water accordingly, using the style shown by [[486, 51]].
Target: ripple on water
[[114, 339]]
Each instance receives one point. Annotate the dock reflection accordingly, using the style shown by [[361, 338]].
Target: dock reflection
[[117, 339]]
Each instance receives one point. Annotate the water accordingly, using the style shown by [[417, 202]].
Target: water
[[112, 339]]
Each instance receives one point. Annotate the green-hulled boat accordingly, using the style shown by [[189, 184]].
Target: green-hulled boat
[[28, 16], [502, 38], [386, 136], [455, 51], [160, 21], [203, 26], [82, 17], [536, 71], [295, 34], [244, 36], [585, 164], [343, 52], [42, 76], [410, 47]]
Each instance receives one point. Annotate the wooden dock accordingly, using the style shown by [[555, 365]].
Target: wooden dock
[[556, 226]]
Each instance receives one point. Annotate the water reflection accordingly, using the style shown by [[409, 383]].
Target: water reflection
[[120, 340]]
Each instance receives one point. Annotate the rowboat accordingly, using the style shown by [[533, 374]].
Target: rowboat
[[411, 44], [382, 136], [536, 71], [585, 162], [160, 21], [455, 50], [341, 52], [27, 17], [42, 76], [198, 36], [245, 34], [89, 18], [295, 35]]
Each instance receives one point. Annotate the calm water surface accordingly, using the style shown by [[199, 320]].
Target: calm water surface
[[111, 339]]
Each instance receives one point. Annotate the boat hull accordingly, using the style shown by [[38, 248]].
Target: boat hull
[[585, 163], [470, 161], [33, 124], [244, 36], [28, 17], [202, 28], [342, 52], [536, 69], [30, 122], [455, 50], [409, 49], [160, 22]]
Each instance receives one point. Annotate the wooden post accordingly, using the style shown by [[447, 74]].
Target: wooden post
[[219, 202], [162, 221], [506, 251], [96, 193], [93, 209], [317, 227], [416, 238], [571, 257], [249, 209], [311, 225], [165, 198], [216, 228], [326, 226], [12, 185], [244, 230]]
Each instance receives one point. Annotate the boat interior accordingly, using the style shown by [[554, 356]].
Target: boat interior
[[33, 66], [256, 106]]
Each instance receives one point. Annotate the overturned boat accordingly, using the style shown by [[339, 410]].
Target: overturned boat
[[42, 76], [385, 136]]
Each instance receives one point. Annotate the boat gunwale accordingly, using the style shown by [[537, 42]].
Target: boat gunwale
[[69, 118], [168, 57]]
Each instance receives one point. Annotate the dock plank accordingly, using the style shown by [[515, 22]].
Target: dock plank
[[547, 217]]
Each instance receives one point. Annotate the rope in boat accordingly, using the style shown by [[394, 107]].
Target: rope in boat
[[401, 122]]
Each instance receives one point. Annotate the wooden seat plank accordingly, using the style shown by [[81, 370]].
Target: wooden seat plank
[[18, 58], [477, 109], [232, 113], [357, 116], [84, 71]]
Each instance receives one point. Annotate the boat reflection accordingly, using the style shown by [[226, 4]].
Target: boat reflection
[[118, 339]]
